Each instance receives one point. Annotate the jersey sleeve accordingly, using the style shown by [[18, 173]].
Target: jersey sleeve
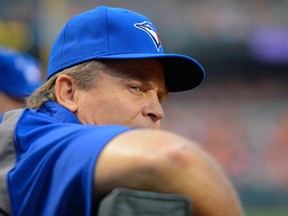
[[55, 167]]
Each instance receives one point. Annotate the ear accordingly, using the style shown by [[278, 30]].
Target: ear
[[65, 92]]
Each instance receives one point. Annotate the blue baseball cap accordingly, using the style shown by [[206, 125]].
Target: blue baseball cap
[[20, 73], [117, 33]]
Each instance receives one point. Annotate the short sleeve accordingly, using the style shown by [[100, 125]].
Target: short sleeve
[[55, 167]]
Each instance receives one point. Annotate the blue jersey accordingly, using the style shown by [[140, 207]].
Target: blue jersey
[[55, 158]]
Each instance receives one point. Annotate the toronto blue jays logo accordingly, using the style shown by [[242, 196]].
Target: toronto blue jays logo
[[151, 31]]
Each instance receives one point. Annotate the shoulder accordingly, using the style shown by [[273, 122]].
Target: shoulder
[[43, 131]]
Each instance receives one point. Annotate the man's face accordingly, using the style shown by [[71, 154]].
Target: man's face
[[130, 93]]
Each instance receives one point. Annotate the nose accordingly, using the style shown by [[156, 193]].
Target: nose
[[153, 108]]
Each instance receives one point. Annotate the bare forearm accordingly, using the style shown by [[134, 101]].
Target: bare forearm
[[167, 163]]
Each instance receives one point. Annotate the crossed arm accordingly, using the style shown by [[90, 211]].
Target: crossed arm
[[157, 160]]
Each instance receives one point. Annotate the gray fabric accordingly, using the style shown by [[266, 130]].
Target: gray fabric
[[7, 154], [127, 202]]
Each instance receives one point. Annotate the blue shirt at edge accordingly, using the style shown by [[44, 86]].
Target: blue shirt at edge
[[56, 155]]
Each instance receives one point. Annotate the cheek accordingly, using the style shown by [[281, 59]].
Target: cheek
[[88, 108], [117, 110], [120, 106], [109, 109]]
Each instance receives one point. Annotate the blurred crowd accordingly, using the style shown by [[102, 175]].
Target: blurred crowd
[[243, 125]]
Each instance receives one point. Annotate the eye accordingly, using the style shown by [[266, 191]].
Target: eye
[[136, 88]]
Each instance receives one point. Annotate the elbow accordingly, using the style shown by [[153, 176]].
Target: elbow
[[175, 158]]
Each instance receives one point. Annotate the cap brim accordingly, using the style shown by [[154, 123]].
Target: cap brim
[[182, 73]]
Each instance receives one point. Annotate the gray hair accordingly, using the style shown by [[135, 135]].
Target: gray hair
[[84, 74]]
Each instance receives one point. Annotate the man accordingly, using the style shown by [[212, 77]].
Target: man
[[20, 75], [95, 124]]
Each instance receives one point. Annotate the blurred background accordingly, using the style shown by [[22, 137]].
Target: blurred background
[[239, 113]]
